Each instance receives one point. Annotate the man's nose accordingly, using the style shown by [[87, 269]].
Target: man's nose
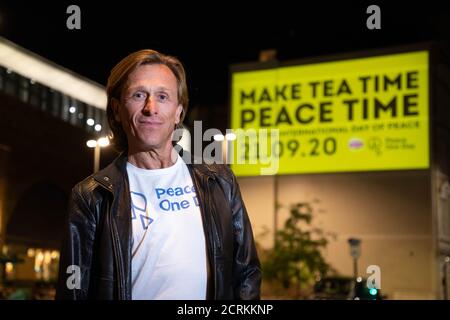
[[150, 106]]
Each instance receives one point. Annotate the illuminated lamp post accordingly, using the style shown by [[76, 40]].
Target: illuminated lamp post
[[355, 252], [97, 144]]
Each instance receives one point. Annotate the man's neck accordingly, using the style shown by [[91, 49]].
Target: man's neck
[[154, 158]]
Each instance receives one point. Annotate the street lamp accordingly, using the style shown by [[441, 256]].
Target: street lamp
[[97, 144], [355, 252], [229, 138]]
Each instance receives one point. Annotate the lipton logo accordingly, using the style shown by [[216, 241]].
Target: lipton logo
[[355, 144]]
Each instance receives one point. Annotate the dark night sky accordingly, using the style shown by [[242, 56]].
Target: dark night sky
[[210, 36]]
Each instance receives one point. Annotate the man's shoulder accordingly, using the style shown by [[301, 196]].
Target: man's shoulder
[[88, 186], [86, 190], [206, 165], [221, 172]]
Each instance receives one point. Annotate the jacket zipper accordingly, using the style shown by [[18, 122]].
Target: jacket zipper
[[116, 245], [208, 233], [217, 245], [215, 227]]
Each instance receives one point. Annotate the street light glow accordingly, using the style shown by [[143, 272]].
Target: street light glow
[[90, 122], [230, 136], [218, 137], [91, 143], [103, 142], [98, 127]]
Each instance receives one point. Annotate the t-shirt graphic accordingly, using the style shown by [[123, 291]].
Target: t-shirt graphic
[[139, 209]]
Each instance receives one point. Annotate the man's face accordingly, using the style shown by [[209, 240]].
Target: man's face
[[148, 109]]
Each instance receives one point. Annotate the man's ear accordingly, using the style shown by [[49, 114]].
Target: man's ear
[[115, 104], [178, 114]]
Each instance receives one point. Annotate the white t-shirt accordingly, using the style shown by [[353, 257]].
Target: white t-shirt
[[168, 254]]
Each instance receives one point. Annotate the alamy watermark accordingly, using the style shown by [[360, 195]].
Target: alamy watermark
[[374, 20], [74, 279], [250, 147], [374, 280], [74, 20]]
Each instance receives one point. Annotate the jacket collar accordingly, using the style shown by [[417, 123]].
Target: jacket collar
[[112, 176]]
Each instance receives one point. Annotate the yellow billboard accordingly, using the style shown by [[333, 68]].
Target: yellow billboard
[[360, 114]]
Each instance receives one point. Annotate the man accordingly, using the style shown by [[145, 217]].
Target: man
[[151, 225]]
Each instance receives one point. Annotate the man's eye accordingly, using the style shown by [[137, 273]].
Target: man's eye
[[163, 97], [139, 95]]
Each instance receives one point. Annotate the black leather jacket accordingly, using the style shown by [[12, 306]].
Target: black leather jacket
[[99, 235]]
